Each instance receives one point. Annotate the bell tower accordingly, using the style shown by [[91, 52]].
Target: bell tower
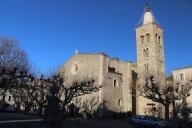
[[150, 53]]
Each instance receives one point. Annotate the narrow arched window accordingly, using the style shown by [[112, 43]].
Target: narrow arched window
[[146, 52], [115, 83], [146, 67], [156, 38], [159, 40], [142, 39], [119, 102], [181, 77], [148, 37]]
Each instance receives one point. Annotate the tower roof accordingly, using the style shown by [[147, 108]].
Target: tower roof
[[147, 17]]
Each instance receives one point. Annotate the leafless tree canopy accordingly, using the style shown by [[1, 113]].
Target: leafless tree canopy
[[12, 78], [183, 92], [13, 63], [11, 56], [75, 89], [32, 92], [29, 90], [90, 106], [164, 96], [153, 91]]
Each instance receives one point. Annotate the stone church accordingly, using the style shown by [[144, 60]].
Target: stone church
[[117, 78]]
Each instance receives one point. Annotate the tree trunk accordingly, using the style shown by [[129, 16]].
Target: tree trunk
[[27, 108], [167, 111], [40, 110]]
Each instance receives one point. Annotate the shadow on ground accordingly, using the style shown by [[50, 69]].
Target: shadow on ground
[[72, 123]]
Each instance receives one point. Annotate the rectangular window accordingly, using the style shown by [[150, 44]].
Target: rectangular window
[[115, 83], [181, 77], [159, 40], [9, 98], [111, 69], [146, 67], [3, 98]]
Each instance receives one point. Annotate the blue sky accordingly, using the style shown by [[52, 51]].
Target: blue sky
[[51, 30]]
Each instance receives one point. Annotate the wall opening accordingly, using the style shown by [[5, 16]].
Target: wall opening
[[9, 98], [115, 83], [148, 37], [119, 102], [159, 40], [142, 39], [146, 52]]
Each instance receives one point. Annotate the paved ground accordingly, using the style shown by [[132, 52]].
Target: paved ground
[[70, 124], [18, 120], [15, 116], [97, 124], [21, 125]]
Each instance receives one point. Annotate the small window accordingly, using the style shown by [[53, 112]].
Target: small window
[[148, 38], [142, 39], [3, 98], [119, 102], [115, 84], [146, 52], [111, 69], [159, 40], [146, 67], [9, 98], [181, 77], [156, 37]]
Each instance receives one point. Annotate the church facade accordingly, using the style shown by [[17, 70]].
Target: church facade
[[113, 77], [119, 79]]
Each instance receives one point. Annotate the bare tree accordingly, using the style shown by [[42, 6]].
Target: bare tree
[[32, 92], [22, 98], [90, 106], [8, 78], [39, 91], [12, 56], [164, 96], [18, 83], [13, 61], [76, 89], [183, 91]]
